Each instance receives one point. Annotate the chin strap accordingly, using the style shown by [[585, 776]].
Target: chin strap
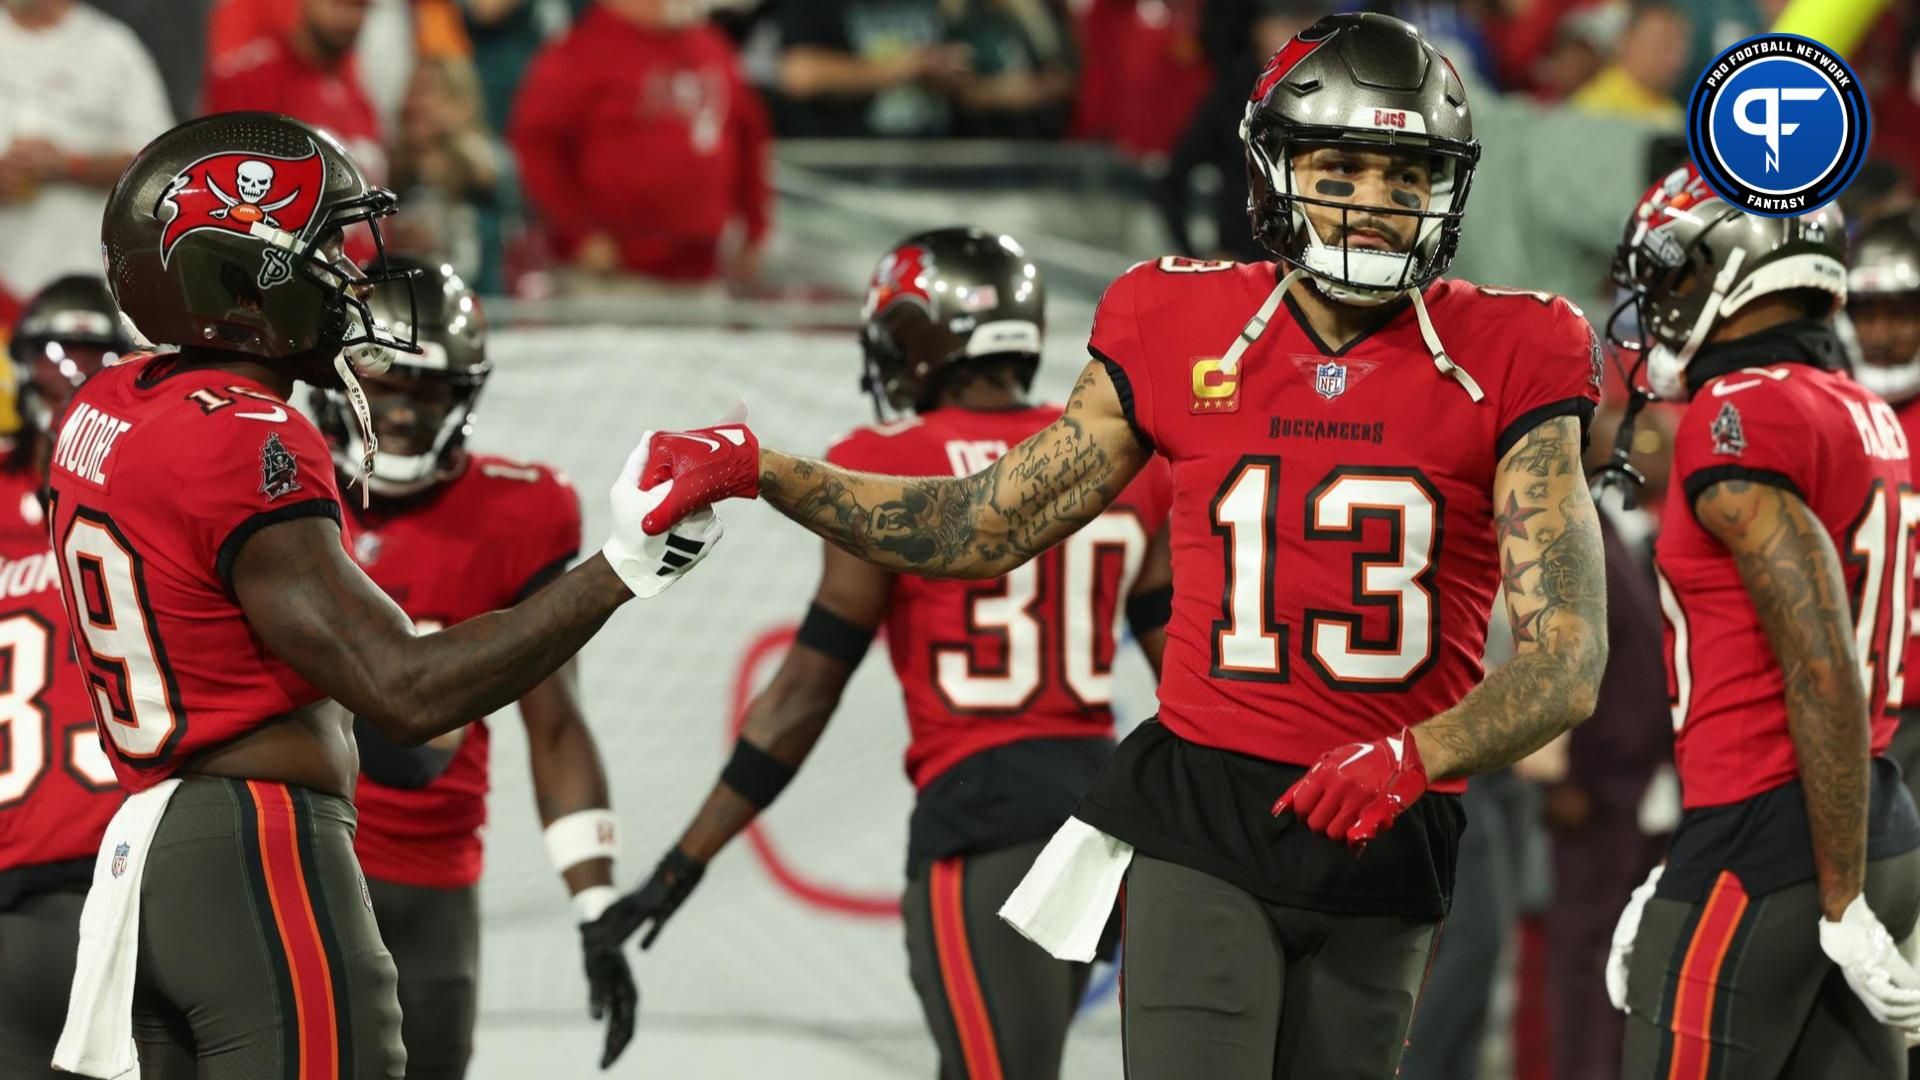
[[1257, 325], [1440, 358], [357, 398]]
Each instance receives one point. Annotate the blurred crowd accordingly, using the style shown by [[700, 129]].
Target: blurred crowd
[[566, 145]]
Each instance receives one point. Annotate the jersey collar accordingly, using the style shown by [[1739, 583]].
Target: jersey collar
[[1803, 341]]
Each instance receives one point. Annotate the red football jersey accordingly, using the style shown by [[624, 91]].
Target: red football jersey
[[477, 543], [1334, 556], [1840, 448], [57, 789], [1025, 656], [159, 476], [1909, 413]]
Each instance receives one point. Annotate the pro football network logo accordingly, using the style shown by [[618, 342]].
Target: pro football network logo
[[1778, 125], [271, 199]]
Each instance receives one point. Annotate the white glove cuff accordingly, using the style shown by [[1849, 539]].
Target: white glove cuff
[[581, 836], [593, 901]]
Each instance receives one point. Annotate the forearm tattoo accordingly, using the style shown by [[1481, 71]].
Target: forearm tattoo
[[982, 525], [1553, 578], [1793, 575]]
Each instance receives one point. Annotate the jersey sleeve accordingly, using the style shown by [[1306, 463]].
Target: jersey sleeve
[[1755, 433], [1556, 371], [552, 531], [866, 450], [1116, 343], [243, 476]]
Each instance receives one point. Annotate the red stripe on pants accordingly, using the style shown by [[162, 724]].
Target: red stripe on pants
[[947, 893], [1692, 1022], [318, 1033]]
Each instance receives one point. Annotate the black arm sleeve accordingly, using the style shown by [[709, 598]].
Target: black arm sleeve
[[397, 766]]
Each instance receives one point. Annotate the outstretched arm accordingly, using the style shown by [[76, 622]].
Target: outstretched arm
[[787, 718], [782, 724], [980, 526], [1792, 573], [318, 611], [1553, 577]]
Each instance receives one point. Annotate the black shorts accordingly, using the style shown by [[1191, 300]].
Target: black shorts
[[39, 935], [259, 956], [434, 936]]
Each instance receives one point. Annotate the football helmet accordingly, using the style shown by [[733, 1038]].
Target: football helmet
[[1883, 300], [945, 298], [1366, 82], [1689, 259], [64, 336], [226, 232], [422, 406]]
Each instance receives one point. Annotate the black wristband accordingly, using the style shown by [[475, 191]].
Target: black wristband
[[758, 776], [1150, 610], [835, 637]]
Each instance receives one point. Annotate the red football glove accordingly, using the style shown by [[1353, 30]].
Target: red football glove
[[706, 465], [1355, 791]]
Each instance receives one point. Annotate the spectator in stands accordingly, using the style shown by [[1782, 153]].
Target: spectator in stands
[[174, 33], [506, 34], [454, 178], [1147, 74], [640, 145], [78, 96], [305, 69], [1648, 61], [851, 68], [1020, 77]]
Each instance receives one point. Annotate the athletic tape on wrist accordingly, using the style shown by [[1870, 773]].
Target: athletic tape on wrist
[[757, 775], [580, 836], [593, 901]]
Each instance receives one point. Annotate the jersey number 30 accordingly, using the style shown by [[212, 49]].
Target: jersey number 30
[[1250, 643]]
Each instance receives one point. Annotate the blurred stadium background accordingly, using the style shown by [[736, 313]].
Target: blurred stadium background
[[714, 249]]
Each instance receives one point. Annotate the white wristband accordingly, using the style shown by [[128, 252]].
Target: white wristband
[[580, 836], [593, 901]]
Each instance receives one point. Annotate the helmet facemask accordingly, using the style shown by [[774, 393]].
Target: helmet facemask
[[1887, 326], [1283, 223], [426, 408]]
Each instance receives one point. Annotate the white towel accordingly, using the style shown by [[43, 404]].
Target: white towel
[[1063, 903], [98, 1038]]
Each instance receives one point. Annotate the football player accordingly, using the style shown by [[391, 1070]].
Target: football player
[[223, 624], [1008, 684], [1364, 456], [1883, 301], [452, 534], [1764, 947], [56, 786]]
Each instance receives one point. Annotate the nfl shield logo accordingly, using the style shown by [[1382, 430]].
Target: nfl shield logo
[[1330, 379], [120, 860]]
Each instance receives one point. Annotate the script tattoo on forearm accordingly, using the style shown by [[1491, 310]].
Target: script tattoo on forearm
[[974, 526], [1791, 571], [1553, 577]]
